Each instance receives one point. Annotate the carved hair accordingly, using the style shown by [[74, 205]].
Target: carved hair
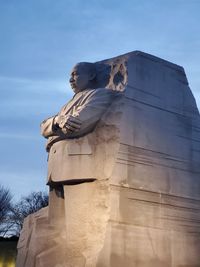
[[112, 76], [90, 67]]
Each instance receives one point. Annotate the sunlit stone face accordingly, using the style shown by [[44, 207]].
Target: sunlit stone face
[[81, 77]]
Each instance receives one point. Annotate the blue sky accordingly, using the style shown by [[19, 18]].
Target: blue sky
[[42, 39]]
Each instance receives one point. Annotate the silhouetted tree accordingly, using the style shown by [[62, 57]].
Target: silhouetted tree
[[27, 205], [5, 210]]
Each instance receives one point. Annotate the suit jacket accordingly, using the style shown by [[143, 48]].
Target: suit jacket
[[71, 157], [88, 106]]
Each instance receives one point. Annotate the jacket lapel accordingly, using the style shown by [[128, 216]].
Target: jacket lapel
[[68, 107]]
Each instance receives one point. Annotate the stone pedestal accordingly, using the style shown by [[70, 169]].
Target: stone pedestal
[[142, 205]]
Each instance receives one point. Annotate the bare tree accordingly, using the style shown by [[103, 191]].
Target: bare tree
[[5, 209], [27, 205]]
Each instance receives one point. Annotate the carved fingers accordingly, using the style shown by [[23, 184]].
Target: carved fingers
[[69, 123]]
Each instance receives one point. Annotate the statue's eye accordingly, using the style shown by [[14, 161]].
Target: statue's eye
[[73, 74]]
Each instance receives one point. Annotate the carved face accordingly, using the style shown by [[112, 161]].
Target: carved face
[[81, 77]]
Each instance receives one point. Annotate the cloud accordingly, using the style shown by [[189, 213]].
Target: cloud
[[23, 85], [22, 136], [24, 97], [23, 183], [42, 40]]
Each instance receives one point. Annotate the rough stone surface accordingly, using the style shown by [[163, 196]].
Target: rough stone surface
[[142, 209]]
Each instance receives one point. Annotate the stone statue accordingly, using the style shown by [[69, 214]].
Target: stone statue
[[81, 114], [123, 171], [76, 119]]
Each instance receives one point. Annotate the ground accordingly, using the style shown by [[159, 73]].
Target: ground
[[8, 253]]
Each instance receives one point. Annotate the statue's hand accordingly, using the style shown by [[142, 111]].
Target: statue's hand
[[68, 123]]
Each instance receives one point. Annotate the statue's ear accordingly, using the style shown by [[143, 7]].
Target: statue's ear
[[92, 76]]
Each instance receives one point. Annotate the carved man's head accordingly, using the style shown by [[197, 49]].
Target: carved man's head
[[82, 76]]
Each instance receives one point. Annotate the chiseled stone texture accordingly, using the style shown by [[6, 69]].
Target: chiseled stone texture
[[143, 207]]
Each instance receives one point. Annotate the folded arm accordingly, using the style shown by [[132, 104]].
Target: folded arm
[[59, 125], [84, 117], [91, 110], [48, 127]]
